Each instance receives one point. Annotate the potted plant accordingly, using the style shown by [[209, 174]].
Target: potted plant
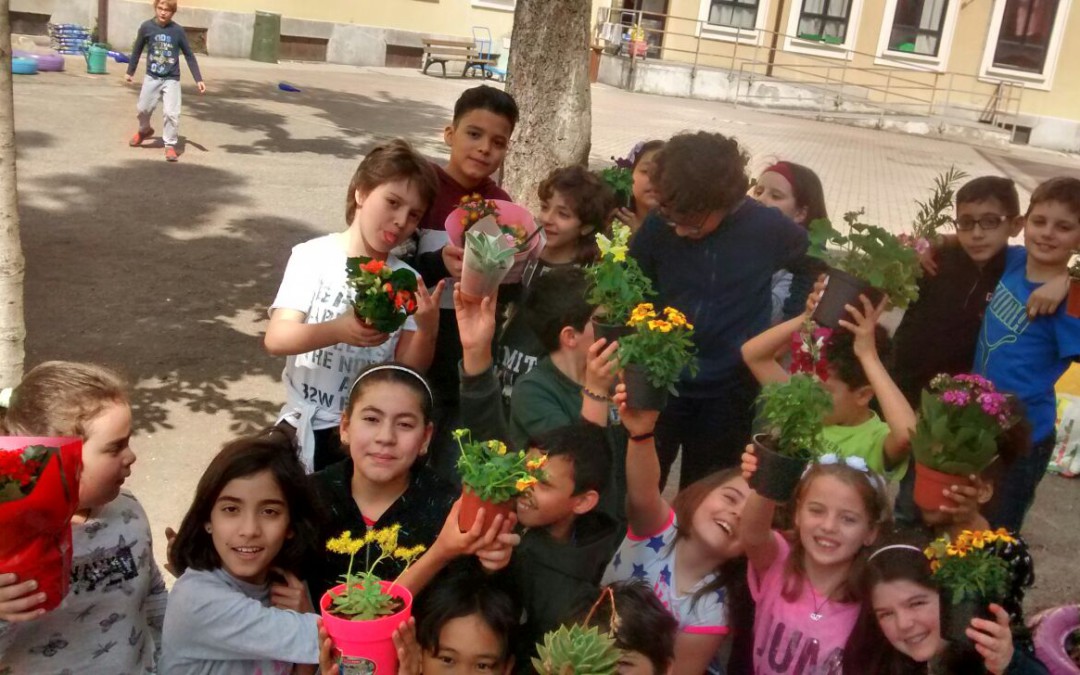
[[961, 418], [971, 572], [382, 298], [1073, 306], [512, 220], [616, 284], [871, 261], [39, 492], [792, 414], [491, 478], [654, 356], [620, 178], [934, 213], [488, 258], [362, 612], [576, 650]]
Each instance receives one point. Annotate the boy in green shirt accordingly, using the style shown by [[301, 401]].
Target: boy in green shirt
[[855, 375]]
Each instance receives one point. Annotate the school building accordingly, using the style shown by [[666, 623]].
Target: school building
[[997, 70]]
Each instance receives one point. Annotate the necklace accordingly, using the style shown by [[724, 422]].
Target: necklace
[[816, 615]]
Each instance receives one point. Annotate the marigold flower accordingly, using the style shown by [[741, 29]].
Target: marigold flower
[[660, 325], [538, 463]]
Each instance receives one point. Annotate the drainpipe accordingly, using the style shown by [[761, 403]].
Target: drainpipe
[[775, 37], [103, 20]]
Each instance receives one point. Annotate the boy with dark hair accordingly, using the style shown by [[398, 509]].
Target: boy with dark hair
[[165, 40], [1027, 356], [855, 376], [711, 251], [568, 541], [478, 138], [643, 629]]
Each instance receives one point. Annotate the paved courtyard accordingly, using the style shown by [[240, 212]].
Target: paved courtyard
[[165, 271]]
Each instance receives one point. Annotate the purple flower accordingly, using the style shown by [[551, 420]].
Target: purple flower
[[956, 397], [922, 245], [992, 403]]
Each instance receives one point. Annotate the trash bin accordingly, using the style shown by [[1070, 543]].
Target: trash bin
[[266, 39]]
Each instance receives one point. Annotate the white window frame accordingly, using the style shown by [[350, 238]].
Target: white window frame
[[843, 51], [495, 5], [988, 72], [939, 63], [712, 31]]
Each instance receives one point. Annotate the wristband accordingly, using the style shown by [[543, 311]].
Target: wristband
[[593, 395], [641, 438]]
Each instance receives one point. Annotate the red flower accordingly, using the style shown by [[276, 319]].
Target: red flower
[[404, 300], [13, 468], [373, 266], [388, 287]]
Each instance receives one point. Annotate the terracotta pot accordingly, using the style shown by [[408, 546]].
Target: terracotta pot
[[610, 331], [930, 485], [1073, 306], [640, 393], [366, 646], [37, 527], [777, 475], [471, 503], [842, 289]]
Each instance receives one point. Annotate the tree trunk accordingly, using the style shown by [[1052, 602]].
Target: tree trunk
[[548, 76], [12, 325]]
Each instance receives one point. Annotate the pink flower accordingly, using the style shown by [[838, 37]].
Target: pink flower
[[922, 245], [992, 403], [957, 397]]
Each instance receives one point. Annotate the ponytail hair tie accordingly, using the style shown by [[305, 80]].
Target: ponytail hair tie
[[5, 397]]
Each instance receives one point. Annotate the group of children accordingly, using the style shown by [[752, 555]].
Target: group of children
[[719, 580]]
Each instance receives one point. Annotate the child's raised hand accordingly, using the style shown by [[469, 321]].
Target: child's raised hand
[[993, 640], [408, 649], [292, 594], [814, 298], [966, 500], [600, 371], [637, 422], [476, 322], [749, 463], [452, 542], [427, 308], [497, 556], [1045, 299], [628, 218], [454, 259], [865, 321], [19, 600], [352, 331], [327, 654]]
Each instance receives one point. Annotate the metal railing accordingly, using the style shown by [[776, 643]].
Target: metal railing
[[840, 77]]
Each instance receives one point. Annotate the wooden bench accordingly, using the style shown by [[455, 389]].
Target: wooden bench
[[441, 51]]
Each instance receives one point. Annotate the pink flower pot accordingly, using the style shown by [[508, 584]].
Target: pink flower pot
[[366, 646], [509, 214]]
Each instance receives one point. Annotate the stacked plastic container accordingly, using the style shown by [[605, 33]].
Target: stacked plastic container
[[69, 38]]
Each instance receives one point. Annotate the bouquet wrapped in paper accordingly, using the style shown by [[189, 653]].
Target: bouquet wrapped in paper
[[382, 297], [39, 492]]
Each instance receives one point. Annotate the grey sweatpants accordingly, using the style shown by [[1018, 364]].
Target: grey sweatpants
[[154, 88]]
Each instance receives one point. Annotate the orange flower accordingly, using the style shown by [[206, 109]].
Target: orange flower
[[373, 266]]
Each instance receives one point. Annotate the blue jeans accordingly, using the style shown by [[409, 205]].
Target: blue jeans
[[1015, 491]]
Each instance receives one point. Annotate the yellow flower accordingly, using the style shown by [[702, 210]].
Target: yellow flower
[[689, 326], [525, 483], [538, 463], [674, 316], [458, 434], [935, 565], [978, 539], [498, 447], [660, 325], [642, 313], [339, 544]]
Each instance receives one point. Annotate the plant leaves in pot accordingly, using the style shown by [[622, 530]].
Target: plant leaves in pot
[[961, 419], [488, 257], [793, 414], [492, 477], [873, 261], [362, 613], [616, 284], [655, 355]]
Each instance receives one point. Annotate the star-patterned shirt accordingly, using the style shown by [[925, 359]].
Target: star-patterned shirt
[[652, 558]]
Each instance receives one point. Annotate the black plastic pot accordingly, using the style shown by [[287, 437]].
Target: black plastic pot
[[777, 475], [640, 393], [842, 289], [955, 619], [610, 331]]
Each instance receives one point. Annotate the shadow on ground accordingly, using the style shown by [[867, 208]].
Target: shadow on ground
[[125, 270], [355, 122]]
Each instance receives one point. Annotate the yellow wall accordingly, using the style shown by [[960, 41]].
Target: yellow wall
[[965, 59]]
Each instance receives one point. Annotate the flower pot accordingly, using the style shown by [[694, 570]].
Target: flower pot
[[842, 289], [37, 527], [509, 214], [471, 503], [1073, 306], [777, 475], [960, 653], [366, 646], [640, 393], [610, 331], [477, 284], [930, 485]]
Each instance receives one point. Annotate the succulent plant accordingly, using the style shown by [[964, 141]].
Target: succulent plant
[[490, 252], [576, 650]]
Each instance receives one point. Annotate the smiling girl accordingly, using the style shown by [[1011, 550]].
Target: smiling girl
[[239, 606], [312, 321]]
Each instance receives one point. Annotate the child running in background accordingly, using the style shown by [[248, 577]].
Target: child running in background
[[689, 552], [796, 192], [111, 619], [805, 583], [239, 606], [312, 320]]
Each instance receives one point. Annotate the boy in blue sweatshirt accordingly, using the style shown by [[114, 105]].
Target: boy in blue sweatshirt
[[164, 41]]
